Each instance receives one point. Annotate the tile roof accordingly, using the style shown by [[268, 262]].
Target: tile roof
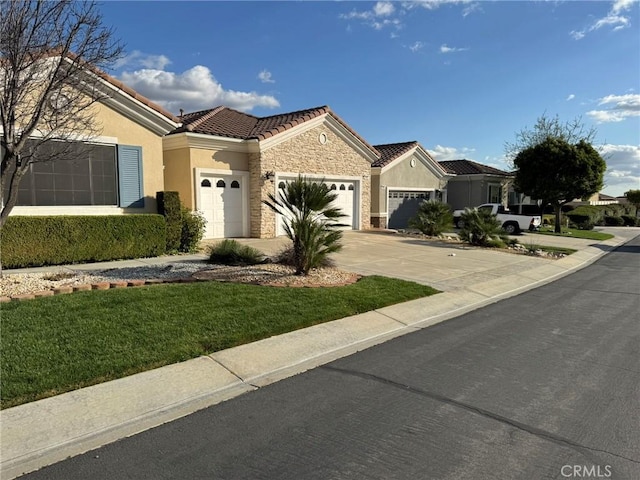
[[469, 167], [390, 151], [226, 122]]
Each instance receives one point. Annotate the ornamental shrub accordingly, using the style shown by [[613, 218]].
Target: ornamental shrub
[[433, 218], [629, 220], [480, 227], [232, 252], [612, 221], [34, 241], [193, 224]]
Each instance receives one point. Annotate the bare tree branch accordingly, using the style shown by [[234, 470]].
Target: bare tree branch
[[52, 54]]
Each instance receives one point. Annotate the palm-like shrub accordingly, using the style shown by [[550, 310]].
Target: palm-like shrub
[[433, 218], [232, 252], [310, 221], [480, 227]]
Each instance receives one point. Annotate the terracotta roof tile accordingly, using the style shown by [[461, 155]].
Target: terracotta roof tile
[[226, 122], [469, 167], [390, 151]]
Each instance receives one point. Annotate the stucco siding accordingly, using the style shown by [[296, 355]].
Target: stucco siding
[[178, 175], [402, 175]]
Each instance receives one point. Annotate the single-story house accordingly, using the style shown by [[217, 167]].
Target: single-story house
[[120, 170], [473, 184], [404, 176], [224, 163]]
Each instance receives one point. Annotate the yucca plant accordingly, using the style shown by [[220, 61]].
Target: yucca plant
[[311, 221], [433, 218], [480, 227]]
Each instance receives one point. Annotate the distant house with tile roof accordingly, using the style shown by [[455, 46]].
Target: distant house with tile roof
[[224, 163], [474, 184], [404, 176]]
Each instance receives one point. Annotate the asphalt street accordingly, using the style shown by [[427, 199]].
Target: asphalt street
[[544, 385]]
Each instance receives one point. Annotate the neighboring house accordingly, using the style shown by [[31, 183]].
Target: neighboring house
[[121, 169], [224, 163], [403, 177], [475, 184]]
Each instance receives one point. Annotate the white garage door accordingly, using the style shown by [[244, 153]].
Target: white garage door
[[346, 201], [221, 205]]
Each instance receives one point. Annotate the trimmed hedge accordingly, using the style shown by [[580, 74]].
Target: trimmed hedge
[[170, 206], [58, 240]]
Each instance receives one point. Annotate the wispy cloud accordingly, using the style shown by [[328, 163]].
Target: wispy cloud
[[445, 49], [416, 46], [191, 90], [571, 97], [620, 108], [138, 59], [265, 77], [470, 5], [614, 19], [441, 153]]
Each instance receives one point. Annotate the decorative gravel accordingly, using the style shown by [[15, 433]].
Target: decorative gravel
[[268, 274]]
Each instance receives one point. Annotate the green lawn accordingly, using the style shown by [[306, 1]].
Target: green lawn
[[56, 344], [575, 233]]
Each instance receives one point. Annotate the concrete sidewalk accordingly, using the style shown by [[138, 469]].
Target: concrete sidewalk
[[47, 431]]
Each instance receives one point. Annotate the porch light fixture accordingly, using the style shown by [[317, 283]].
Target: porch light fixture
[[269, 174]]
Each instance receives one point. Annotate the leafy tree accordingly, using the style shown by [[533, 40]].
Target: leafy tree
[[310, 221], [633, 197], [50, 56], [433, 218], [558, 172], [480, 227]]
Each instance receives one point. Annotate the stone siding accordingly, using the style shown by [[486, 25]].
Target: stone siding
[[305, 154]]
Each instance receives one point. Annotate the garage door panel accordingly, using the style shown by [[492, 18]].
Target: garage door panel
[[402, 206], [222, 206]]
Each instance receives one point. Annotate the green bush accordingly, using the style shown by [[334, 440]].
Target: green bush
[[581, 221], [480, 227], [629, 220], [58, 240], [170, 207], [613, 221], [192, 230], [232, 252], [433, 218]]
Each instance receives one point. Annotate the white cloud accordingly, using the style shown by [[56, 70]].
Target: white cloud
[[265, 77], [571, 97], [137, 59], [621, 108], [416, 46], [445, 49], [613, 19], [192, 90], [470, 7], [382, 9], [441, 153], [623, 168]]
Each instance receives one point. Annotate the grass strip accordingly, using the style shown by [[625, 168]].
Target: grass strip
[[56, 344], [575, 233]]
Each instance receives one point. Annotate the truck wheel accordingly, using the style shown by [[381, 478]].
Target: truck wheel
[[511, 228], [460, 223]]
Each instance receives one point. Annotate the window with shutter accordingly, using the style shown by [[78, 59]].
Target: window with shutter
[[130, 180]]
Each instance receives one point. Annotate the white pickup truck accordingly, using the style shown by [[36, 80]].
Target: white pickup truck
[[511, 223]]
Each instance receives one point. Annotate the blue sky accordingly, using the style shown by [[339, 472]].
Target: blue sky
[[459, 76]]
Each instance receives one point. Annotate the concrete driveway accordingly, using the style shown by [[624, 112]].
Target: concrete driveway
[[445, 266]]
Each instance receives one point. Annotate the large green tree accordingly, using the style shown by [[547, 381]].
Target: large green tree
[[633, 197], [557, 171]]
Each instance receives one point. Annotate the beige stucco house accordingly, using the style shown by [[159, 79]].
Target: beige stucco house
[[121, 168], [224, 163], [404, 176]]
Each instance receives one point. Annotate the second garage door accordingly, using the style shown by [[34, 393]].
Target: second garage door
[[402, 205]]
